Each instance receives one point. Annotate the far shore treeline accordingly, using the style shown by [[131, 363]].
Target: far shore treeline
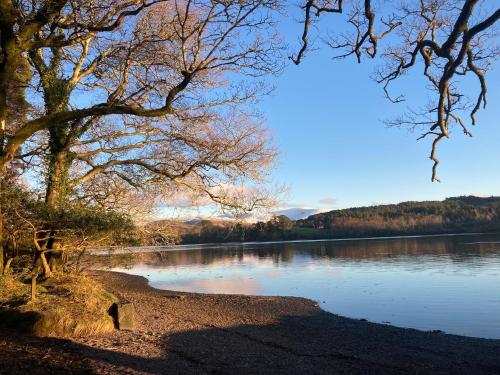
[[453, 215]]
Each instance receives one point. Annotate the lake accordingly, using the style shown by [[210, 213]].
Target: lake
[[447, 283]]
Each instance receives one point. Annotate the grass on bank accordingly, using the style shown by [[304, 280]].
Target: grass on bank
[[66, 305]]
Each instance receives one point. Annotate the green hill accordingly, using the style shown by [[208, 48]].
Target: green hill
[[453, 215]]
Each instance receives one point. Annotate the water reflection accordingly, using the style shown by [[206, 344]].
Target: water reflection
[[450, 283]]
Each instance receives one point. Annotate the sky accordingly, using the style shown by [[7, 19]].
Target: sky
[[326, 117]]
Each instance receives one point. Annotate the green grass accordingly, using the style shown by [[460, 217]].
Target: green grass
[[66, 305], [305, 231]]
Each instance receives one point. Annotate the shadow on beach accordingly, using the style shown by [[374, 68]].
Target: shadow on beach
[[319, 343]]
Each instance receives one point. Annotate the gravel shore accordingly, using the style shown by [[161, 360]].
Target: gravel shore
[[184, 333]]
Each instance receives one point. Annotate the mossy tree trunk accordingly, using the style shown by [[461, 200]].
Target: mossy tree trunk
[[58, 188], [40, 260], [1, 230], [2, 253], [1, 249], [3, 160], [33, 286], [6, 268], [47, 272], [11, 55], [57, 92], [59, 163]]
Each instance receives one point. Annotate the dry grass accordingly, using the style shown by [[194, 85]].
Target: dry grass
[[11, 289], [66, 305]]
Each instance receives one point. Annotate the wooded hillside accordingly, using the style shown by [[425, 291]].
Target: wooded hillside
[[458, 214], [453, 215]]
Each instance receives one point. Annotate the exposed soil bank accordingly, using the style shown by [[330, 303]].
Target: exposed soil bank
[[183, 333]]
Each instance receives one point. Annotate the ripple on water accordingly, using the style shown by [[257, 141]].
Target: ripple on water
[[448, 283]]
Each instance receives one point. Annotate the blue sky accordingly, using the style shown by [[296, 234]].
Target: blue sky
[[327, 120]]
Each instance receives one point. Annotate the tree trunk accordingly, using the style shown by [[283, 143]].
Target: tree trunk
[[41, 260], [2, 269], [1, 244], [11, 70], [59, 163], [46, 269], [6, 269], [2, 256], [57, 93], [33, 286], [56, 194], [56, 258], [58, 176], [56, 96]]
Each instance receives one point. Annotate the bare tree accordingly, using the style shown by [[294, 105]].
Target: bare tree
[[143, 67], [447, 39], [176, 61], [208, 46]]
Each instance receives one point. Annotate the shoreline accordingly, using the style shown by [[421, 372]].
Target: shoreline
[[315, 303], [210, 245], [190, 333]]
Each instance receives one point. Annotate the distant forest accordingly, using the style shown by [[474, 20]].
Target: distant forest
[[453, 215]]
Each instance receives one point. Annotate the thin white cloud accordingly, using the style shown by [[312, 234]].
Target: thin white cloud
[[328, 202]]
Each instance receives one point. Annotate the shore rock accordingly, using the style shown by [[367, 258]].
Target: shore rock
[[124, 315]]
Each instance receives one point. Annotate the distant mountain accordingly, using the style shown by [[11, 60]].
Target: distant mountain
[[297, 213]]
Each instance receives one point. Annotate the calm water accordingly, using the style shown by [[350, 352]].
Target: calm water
[[448, 283]]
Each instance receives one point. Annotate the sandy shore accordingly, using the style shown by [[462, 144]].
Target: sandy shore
[[183, 333]]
